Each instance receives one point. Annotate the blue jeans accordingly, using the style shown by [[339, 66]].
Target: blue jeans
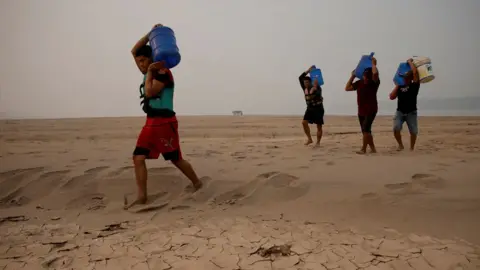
[[410, 118]]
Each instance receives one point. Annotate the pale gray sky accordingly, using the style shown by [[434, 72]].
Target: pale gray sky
[[65, 58]]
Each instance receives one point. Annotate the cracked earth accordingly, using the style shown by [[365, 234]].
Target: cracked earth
[[222, 243]]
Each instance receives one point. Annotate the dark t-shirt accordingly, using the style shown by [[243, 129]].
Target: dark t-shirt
[[407, 97], [367, 97]]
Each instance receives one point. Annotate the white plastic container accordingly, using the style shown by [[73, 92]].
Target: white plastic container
[[424, 67]]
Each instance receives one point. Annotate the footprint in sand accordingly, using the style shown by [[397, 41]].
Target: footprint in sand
[[120, 171], [268, 187], [205, 181], [80, 160], [280, 187], [36, 188], [163, 170], [419, 184], [280, 180], [152, 202], [180, 208], [261, 164], [148, 208], [236, 194], [398, 186], [209, 153], [369, 195], [267, 174], [238, 155], [96, 170], [429, 181], [90, 202], [207, 193], [166, 180]]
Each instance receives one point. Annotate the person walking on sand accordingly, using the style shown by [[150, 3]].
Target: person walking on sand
[[406, 96], [367, 89], [159, 135], [315, 111]]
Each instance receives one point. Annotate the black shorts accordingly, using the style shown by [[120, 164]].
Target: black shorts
[[366, 122], [171, 156], [314, 115]]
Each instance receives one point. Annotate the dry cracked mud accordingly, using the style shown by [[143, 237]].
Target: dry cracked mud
[[221, 243]]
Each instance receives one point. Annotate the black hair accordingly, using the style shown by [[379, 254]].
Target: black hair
[[408, 73], [368, 70], [306, 78], [145, 50]]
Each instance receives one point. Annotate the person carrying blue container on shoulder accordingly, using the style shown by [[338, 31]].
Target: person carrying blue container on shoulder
[[406, 95], [315, 111], [367, 88], [159, 135]]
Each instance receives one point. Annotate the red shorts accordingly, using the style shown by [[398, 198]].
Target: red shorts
[[159, 136]]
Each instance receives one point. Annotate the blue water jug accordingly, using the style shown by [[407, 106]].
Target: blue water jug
[[402, 69], [164, 46], [364, 63], [316, 73]]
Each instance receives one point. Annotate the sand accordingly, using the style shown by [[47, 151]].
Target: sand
[[269, 201]]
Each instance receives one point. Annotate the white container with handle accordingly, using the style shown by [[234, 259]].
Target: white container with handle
[[424, 67]]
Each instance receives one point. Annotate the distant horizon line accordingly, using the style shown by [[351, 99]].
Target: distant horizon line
[[226, 115]]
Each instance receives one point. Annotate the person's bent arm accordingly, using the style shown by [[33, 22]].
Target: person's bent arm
[[315, 86], [416, 78], [375, 76], [350, 86], [153, 86], [143, 41], [321, 93], [394, 93], [302, 77], [140, 43]]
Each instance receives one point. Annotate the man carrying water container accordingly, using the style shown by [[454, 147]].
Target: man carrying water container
[[315, 111], [160, 132], [406, 96], [367, 89]]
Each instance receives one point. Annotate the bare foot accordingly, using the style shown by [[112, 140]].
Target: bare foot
[[373, 151], [198, 185], [139, 200], [309, 141], [400, 148], [194, 187], [317, 145], [362, 152]]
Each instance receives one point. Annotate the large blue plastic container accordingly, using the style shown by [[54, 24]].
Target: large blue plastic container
[[164, 46], [402, 69], [316, 73], [364, 63]]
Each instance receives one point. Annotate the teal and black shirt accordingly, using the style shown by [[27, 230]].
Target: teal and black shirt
[[160, 105]]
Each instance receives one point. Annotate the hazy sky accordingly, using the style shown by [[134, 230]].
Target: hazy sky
[[65, 58]]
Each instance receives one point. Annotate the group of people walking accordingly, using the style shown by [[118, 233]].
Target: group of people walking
[[366, 88], [159, 135]]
